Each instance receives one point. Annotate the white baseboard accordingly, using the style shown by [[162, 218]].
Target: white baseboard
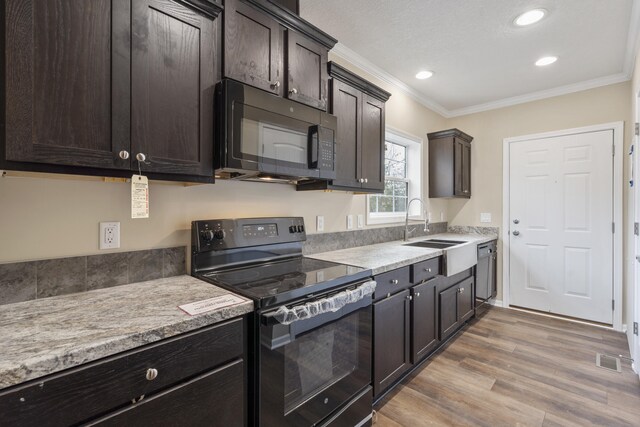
[[496, 302], [624, 328]]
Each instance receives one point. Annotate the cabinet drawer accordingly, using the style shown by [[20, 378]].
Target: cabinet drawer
[[78, 394], [391, 282], [425, 270]]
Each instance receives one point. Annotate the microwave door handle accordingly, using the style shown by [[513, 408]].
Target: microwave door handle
[[312, 146]]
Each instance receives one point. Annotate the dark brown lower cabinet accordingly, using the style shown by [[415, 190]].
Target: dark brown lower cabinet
[[455, 305], [391, 340], [197, 378], [194, 403], [424, 320]]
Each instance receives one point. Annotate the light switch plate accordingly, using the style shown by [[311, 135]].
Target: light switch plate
[[320, 223], [360, 221], [441, 216], [349, 222], [485, 217]]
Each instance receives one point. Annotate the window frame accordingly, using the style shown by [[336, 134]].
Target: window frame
[[414, 175]]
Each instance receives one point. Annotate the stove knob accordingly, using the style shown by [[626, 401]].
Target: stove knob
[[300, 228], [218, 234], [207, 235], [292, 229]]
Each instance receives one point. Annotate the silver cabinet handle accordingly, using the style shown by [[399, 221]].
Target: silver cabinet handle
[[361, 180], [293, 91], [409, 297], [417, 294], [428, 270], [366, 180], [394, 281], [516, 233], [124, 154], [275, 85], [152, 374], [461, 290], [141, 157]]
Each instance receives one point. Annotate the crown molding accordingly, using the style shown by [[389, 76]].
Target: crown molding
[[543, 94], [369, 67], [633, 45]]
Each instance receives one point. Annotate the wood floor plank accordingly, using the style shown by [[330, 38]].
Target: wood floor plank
[[516, 368]]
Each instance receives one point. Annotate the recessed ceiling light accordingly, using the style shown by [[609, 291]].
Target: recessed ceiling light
[[547, 60], [424, 75], [530, 17]]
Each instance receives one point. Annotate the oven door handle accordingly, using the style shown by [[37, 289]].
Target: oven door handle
[[281, 326]]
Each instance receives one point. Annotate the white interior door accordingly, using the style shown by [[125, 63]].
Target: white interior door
[[561, 215]]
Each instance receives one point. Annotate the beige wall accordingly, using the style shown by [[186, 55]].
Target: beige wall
[[46, 217], [489, 129]]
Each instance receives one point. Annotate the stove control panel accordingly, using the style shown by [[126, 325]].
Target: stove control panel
[[220, 234]]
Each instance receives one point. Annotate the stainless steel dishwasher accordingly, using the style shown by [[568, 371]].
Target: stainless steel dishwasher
[[486, 280]]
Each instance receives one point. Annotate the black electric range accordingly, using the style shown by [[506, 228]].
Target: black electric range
[[261, 259]]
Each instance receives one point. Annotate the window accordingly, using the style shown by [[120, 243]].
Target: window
[[402, 166]]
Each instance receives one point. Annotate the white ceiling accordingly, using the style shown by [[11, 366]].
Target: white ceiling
[[481, 60]]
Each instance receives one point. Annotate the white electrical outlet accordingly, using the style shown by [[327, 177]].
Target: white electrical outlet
[[485, 217], [441, 216], [320, 223], [430, 216], [109, 235], [349, 222], [360, 221]]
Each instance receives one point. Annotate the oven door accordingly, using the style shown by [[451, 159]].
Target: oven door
[[316, 363]]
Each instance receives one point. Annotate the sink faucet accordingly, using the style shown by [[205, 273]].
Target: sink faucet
[[406, 219]]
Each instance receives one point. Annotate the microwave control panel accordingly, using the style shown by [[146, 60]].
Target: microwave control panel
[[326, 149]]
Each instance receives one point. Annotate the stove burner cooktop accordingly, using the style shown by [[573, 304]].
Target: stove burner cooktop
[[274, 282]]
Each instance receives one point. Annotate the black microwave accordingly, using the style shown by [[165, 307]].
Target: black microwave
[[263, 136]]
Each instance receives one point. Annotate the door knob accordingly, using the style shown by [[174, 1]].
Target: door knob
[[124, 154], [516, 221], [516, 233]]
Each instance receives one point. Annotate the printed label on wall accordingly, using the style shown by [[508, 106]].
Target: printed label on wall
[[139, 197]]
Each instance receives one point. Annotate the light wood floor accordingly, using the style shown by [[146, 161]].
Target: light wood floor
[[512, 368]]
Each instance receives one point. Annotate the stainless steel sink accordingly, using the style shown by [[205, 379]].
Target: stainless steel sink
[[459, 255]]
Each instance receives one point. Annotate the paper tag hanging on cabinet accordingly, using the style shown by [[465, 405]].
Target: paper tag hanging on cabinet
[[139, 197]]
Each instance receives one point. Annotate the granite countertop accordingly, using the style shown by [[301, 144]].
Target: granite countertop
[[391, 255], [48, 335]]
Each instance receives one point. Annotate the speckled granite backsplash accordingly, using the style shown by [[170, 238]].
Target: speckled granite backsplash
[[465, 229], [25, 281], [325, 242]]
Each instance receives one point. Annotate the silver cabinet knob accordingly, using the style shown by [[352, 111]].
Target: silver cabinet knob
[[394, 281], [275, 85], [516, 221], [124, 154], [417, 294], [428, 270], [366, 180], [409, 297], [152, 374], [293, 91], [516, 233], [141, 157], [461, 290]]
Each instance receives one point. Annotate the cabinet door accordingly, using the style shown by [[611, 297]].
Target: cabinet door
[[448, 310], [372, 153], [346, 105], [483, 287], [67, 82], [173, 78], [253, 47], [466, 299], [390, 340], [307, 71], [215, 398], [424, 336], [466, 169]]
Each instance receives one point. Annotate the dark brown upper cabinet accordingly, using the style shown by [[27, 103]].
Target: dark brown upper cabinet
[[450, 164], [268, 46], [360, 109], [291, 5], [89, 85], [172, 87], [253, 47], [67, 82]]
